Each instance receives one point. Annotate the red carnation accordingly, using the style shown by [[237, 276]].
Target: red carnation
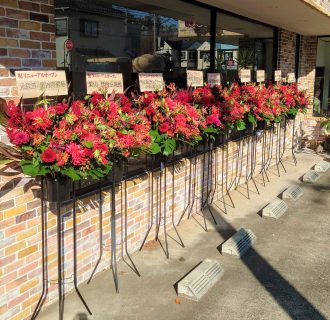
[[150, 111], [20, 138], [164, 127], [49, 155]]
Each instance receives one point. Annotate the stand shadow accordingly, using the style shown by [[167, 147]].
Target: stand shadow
[[291, 301]]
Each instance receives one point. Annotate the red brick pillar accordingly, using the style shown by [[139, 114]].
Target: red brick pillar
[[27, 40], [286, 51]]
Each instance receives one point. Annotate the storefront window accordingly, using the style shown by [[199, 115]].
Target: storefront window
[[134, 36], [242, 44], [321, 103]]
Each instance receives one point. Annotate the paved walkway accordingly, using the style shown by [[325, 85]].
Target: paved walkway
[[285, 275]]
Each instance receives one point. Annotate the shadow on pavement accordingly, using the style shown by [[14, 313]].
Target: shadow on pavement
[[291, 301]]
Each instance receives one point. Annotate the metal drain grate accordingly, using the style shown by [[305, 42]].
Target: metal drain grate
[[322, 166], [311, 176], [239, 243], [200, 280], [275, 209], [293, 193]]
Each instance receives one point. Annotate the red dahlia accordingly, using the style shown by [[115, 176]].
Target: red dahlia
[[164, 127], [49, 155], [20, 138]]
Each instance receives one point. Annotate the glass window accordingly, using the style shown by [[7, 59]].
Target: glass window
[[321, 100], [132, 36], [61, 27], [89, 28], [242, 44]]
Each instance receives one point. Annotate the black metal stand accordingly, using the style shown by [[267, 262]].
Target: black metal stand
[[113, 233], [75, 281], [253, 159], [131, 264], [100, 234], [264, 149], [162, 214], [191, 186], [60, 240], [292, 144], [205, 203], [44, 251]]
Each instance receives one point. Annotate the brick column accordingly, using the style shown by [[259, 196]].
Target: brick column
[[286, 51], [27, 40], [308, 53]]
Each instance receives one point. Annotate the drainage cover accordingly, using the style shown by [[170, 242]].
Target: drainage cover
[[322, 166], [239, 243], [200, 280], [311, 176], [293, 193], [275, 209]]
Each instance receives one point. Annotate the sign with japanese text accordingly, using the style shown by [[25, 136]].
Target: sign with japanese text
[[291, 77], [195, 78], [151, 81], [213, 79], [260, 75], [278, 75], [33, 83], [101, 81], [245, 75]]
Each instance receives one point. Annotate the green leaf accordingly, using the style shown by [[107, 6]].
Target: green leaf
[[25, 148], [88, 144], [252, 118], [210, 130], [155, 148], [29, 169], [240, 125], [169, 147], [71, 173], [154, 134]]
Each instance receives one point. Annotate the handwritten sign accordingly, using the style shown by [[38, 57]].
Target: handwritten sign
[[278, 75], [245, 75], [291, 77], [195, 78], [31, 84], [213, 79], [151, 81], [260, 75], [110, 82]]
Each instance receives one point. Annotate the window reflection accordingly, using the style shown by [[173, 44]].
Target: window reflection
[[132, 36], [242, 44]]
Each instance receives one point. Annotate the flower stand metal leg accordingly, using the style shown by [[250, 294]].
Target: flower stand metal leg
[[131, 264], [75, 280], [100, 234], [113, 233], [44, 253]]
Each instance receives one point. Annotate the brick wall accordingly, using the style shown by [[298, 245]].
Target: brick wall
[[27, 39], [286, 52], [308, 53], [306, 78], [20, 224]]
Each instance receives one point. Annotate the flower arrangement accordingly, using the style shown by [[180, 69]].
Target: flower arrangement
[[84, 138], [293, 99], [172, 118], [210, 113], [78, 141]]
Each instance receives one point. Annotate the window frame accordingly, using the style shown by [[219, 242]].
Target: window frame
[[82, 28]]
